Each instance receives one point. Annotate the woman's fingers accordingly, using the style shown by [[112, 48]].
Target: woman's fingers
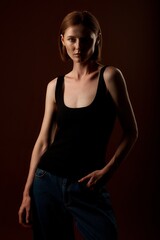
[[24, 217], [90, 180]]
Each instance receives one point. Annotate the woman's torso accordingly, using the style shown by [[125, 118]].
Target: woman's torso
[[83, 130]]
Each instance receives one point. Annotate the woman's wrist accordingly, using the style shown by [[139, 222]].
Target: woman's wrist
[[26, 191]]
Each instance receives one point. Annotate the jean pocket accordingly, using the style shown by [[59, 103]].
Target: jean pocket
[[40, 173]]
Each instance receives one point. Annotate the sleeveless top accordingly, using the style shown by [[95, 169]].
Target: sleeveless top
[[82, 135]]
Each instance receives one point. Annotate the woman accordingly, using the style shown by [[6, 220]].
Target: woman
[[68, 171]]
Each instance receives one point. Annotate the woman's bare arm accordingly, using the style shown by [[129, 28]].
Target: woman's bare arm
[[116, 85], [39, 148]]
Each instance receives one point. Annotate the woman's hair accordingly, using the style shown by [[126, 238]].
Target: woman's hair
[[88, 20]]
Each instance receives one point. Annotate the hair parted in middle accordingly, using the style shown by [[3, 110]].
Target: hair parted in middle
[[88, 20]]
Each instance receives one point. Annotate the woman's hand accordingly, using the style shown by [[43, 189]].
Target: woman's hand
[[24, 212], [92, 179]]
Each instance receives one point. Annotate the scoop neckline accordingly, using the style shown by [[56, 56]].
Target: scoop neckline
[[92, 102]]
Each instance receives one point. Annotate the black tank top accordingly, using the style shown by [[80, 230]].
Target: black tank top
[[82, 134]]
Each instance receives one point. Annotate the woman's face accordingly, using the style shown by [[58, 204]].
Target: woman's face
[[79, 42]]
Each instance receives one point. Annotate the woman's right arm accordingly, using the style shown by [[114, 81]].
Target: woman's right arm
[[40, 146]]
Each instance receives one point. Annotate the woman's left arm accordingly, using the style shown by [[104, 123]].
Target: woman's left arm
[[117, 87]]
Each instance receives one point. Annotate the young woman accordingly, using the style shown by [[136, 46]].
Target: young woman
[[69, 168]]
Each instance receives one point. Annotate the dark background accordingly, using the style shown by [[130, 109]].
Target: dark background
[[29, 59]]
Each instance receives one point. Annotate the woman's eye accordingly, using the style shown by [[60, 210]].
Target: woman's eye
[[71, 39], [87, 39]]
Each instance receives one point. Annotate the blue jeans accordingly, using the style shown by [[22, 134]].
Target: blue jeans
[[58, 201]]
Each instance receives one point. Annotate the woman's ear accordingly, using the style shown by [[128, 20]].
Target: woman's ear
[[98, 38], [62, 39]]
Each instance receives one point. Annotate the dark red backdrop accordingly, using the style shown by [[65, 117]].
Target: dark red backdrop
[[30, 59]]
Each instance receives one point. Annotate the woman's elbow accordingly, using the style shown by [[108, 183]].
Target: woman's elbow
[[133, 135], [42, 145]]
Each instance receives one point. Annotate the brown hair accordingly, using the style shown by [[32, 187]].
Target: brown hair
[[88, 20]]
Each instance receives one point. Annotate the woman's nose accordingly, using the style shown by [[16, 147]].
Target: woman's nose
[[81, 43], [78, 44]]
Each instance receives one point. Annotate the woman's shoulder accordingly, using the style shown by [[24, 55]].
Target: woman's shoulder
[[111, 70], [112, 73], [113, 76], [52, 83], [51, 86]]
